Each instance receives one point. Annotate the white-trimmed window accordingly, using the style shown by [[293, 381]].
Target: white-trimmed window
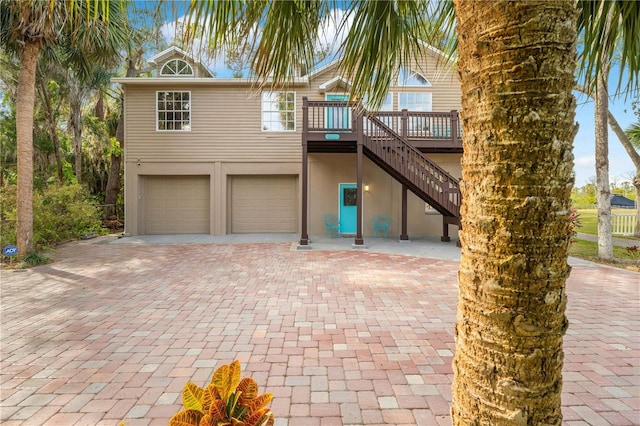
[[173, 111], [414, 101], [176, 67], [406, 77], [278, 111]]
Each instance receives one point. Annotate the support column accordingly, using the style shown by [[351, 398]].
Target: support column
[[304, 235], [445, 230], [359, 241], [404, 236]]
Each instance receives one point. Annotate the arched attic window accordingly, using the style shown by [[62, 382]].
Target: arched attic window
[[406, 77], [176, 67]]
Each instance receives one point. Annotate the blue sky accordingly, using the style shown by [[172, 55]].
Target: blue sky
[[620, 165]]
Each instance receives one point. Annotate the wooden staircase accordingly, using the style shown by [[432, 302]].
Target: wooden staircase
[[395, 155]]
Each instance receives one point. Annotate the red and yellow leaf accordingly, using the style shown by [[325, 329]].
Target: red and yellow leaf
[[260, 402], [226, 379], [249, 389], [186, 418], [207, 420], [192, 397], [259, 418], [218, 409], [209, 395]]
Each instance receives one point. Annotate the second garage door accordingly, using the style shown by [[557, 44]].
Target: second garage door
[[264, 203]]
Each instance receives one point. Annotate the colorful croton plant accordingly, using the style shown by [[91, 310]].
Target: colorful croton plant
[[226, 401]]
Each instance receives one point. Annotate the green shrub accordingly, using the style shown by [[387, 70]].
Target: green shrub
[[60, 213], [34, 258], [8, 215]]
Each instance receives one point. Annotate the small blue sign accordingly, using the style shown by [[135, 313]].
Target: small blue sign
[[332, 136], [10, 250]]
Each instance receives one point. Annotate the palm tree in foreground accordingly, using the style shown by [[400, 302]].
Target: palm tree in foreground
[[26, 28], [516, 63]]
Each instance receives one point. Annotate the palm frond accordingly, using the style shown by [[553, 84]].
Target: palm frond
[[633, 133], [384, 35], [604, 41]]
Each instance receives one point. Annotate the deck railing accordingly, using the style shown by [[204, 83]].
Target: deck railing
[[336, 117]]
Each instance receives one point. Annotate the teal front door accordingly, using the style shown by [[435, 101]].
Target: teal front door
[[338, 117], [348, 208]]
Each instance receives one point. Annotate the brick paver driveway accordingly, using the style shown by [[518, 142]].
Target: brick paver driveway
[[112, 332]]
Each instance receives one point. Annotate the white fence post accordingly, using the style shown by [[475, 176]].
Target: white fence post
[[623, 224]]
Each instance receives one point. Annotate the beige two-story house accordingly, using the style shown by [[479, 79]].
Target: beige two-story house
[[218, 156]]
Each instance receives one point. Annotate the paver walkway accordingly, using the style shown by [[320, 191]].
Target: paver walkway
[[114, 331]]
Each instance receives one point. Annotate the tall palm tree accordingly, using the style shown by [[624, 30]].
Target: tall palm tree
[[516, 64], [27, 27]]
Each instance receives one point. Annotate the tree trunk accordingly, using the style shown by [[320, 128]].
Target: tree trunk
[[113, 181], [53, 128], [24, 127], [516, 65], [75, 122], [636, 184], [603, 190]]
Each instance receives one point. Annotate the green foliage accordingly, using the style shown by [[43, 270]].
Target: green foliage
[[35, 258], [59, 214], [584, 197], [227, 400]]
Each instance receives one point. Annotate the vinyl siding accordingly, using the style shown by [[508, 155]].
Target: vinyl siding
[[226, 119], [225, 126]]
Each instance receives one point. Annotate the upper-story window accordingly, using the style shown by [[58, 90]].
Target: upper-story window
[[176, 67], [278, 111], [173, 111], [406, 77], [414, 101]]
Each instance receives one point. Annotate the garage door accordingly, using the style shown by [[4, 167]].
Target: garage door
[[264, 203], [176, 205]]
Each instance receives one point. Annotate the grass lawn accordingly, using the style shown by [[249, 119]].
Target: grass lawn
[[589, 250], [589, 219]]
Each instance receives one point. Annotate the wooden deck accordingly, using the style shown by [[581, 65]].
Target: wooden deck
[[332, 127]]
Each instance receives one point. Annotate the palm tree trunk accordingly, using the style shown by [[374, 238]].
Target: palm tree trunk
[[603, 190], [24, 129], [516, 65]]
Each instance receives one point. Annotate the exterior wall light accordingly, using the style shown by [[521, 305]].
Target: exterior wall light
[[366, 187]]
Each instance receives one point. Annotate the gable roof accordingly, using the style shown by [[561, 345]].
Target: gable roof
[[334, 83]]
